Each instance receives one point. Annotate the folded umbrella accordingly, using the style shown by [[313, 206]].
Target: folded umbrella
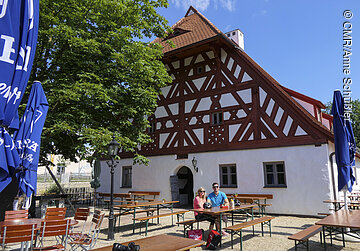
[[28, 137]]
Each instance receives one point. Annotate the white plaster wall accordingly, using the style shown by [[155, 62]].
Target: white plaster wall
[[356, 186], [356, 172], [307, 175]]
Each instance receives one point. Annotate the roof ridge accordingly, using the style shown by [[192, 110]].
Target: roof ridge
[[210, 24]]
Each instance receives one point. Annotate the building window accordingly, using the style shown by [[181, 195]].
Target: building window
[[274, 174], [126, 176], [60, 170], [228, 175], [217, 118], [152, 127], [199, 69]]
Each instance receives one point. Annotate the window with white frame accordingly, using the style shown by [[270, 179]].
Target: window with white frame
[[228, 175], [274, 174], [126, 176]]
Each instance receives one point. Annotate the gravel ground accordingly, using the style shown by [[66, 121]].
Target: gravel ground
[[282, 227]]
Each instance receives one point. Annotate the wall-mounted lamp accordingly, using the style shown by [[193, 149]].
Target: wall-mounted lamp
[[194, 163]]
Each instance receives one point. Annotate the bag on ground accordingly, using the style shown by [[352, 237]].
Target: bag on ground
[[196, 234], [130, 247], [213, 240]]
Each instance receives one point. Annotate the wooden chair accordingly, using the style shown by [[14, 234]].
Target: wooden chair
[[18, 233], [54, 228], [55, 213], [16, 214], [88, 241], [81, 214]]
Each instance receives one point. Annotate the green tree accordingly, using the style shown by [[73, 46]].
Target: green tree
[[355, 118], [99, 77]]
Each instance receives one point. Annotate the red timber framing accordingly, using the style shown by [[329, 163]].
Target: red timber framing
[[212, 76]]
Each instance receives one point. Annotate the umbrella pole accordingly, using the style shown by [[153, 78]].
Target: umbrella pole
[[59, 186], [346, 203]]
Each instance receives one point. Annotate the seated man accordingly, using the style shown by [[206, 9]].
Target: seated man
[[217, 198]]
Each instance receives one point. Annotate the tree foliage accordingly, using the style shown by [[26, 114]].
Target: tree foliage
[[355, 118], [100, 79]]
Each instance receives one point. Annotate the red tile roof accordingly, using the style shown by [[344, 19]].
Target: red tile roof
[[192, 28]]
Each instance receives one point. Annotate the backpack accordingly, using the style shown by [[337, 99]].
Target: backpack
[[130, 247], [213, 240], [196, 234]]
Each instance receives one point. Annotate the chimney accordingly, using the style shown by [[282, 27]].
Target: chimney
[[237, 36]]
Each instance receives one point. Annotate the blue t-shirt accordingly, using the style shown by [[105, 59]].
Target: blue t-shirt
[[218, 200]]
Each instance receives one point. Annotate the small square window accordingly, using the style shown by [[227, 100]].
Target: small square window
[[274, 174], [233, 33]]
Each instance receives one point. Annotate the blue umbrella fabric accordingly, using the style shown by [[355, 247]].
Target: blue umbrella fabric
[[27, 138], [9, 158], [345, 147], [18, 36]]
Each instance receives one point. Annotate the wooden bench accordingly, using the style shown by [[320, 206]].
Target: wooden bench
[[144, 193], [303, 236], [150, 210], [267, 196], [237, 229], [117, 215], [262, 208], [146, 219]]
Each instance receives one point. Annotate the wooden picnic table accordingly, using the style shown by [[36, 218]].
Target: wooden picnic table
[[339, 204], [254, 199], [143, 194], [219, 211], [348, 221], [161, 242], [133, 206], [36, 221]]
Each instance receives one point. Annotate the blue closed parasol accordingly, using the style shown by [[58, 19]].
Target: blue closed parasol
[[345, 146], [18, 36], [27, 138]]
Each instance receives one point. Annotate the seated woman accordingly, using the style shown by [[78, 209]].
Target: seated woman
[[199, 201]]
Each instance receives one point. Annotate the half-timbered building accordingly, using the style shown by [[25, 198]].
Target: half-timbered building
[[225, 119]]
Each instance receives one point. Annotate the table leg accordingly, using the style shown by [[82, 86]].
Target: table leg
[[241, 240], [323, 229], [134, 220], [158, 212], [172, 219], [220, 228], [331, 236], [232, 217]]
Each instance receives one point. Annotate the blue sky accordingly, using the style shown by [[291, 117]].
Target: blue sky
[[298, 42]]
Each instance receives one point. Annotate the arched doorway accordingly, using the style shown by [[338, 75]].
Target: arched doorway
[[186, 186]]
